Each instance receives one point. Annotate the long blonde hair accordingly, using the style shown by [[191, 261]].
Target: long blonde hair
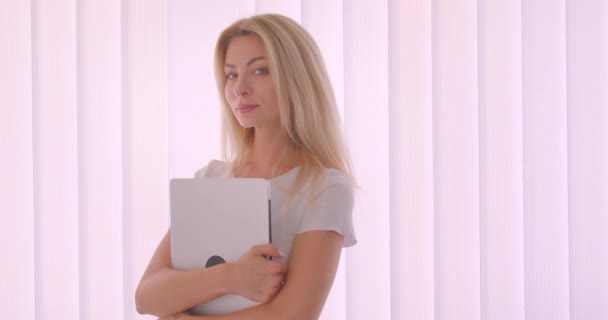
[[307, 105]]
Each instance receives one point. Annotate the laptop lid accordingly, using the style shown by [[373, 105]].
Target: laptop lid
[[215, 220]]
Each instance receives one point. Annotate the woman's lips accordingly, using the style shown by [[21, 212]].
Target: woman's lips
[[244, 108]]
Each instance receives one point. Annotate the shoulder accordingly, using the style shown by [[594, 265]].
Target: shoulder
[[333, 176], [335, 182], [215, 169]]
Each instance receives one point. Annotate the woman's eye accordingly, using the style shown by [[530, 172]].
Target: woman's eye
[[261, 71], [231, 76]]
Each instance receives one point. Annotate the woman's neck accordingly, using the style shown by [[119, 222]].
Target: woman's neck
[[270, 155]]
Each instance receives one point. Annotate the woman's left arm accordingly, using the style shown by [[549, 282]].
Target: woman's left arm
[[311, 270]]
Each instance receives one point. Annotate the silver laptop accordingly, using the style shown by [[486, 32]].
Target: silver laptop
[[214, 221]]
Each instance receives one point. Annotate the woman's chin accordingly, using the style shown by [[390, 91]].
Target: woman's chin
[[246, 124]]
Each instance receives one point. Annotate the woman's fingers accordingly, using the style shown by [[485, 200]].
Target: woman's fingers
[[276, 267], [258, 278], [267, 250]]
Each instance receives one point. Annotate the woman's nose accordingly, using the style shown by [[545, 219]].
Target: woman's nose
[[242, 86]]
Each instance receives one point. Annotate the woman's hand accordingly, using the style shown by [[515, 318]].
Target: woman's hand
[[255, 277]]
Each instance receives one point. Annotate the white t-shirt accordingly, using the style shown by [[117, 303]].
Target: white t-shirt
[[331, 207]]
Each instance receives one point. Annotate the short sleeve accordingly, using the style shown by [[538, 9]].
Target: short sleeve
[[331, 210], [200, 173], [215, 169]]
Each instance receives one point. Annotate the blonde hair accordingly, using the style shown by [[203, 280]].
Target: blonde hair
[[307, 105]]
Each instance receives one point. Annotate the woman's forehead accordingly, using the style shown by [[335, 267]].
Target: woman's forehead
[[242, 49]]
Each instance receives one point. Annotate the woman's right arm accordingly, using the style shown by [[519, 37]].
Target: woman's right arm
[[163, 291]]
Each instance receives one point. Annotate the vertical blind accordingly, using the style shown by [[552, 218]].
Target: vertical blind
[[478, 129]]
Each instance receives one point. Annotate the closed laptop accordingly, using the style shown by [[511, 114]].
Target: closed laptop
[[216, 220]]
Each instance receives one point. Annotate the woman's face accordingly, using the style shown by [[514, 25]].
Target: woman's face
[[249, 87]]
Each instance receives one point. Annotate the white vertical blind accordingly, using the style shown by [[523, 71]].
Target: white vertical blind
[[479, 133], [545, 162], [366, 122], [411, 177], [17, 284], [290, 8], [500, 160], [100, 159], [456, 160], [55, 160], [587, 114]]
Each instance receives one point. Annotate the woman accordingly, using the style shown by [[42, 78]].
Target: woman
[[280, 122]]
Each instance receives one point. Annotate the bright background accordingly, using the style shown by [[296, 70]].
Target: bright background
[[479, 132]]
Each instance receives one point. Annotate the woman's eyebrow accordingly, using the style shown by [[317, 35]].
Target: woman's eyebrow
[[227, 65]]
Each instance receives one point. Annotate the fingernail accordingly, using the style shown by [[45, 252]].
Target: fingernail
[[281, 253]]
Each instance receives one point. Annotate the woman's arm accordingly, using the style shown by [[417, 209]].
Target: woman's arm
[[164, 291], [311, 270]]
